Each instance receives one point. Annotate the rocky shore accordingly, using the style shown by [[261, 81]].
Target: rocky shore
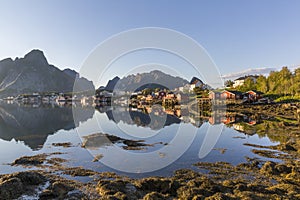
[[254, 179]]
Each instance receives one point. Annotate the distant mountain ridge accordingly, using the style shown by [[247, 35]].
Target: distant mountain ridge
[[152, 80], [141, 81], [33, 73]]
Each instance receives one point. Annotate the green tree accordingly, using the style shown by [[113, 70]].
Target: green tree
[[198, 90], [147, 91], [262, 84], [284, 82], [273, 82], [249, 84], [229, 83], [295, 85], [157, 89]]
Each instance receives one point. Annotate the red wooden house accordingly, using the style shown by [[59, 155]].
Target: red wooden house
[[232, 95], [253, 95]]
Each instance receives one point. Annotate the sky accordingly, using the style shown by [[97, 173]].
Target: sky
[[239, 36]]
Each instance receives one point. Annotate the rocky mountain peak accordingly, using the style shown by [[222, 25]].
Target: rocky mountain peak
[[36, 57], [32, 73], [195, 80]]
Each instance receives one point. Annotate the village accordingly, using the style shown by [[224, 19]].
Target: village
[[191, 103], [167, 98]]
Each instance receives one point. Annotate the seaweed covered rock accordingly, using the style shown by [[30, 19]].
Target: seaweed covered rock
[[155, 196], [11, 188], [269, 168], [157, 184], [31, 160], [14, 185]]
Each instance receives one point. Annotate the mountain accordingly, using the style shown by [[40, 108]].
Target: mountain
[[196, 80], [151, 86], [199, 83], [154, 78], [82, 84], [33, 73], [112, 83]]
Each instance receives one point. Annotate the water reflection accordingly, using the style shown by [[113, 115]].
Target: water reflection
[[140, 118], [155, 117], [32, 125], [156, 136]]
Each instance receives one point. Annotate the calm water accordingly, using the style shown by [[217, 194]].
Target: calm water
[[168, 142]]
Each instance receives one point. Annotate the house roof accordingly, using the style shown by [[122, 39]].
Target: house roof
[[245, 77], [255, 91], [216, 92], [233, 92]]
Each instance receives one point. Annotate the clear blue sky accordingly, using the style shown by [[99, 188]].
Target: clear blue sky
[[237, 34]]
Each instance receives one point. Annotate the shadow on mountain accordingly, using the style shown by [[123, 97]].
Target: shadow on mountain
[[33, 125]]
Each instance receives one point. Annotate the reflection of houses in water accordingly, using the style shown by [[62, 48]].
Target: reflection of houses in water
[[190, 117], [229, 119], [220, 116], [154, 117], [239, 127], [155, 120], [103, 108], [217, 117], [88, 100], [245, 128], [162, 104], [239, 122], [196, 121]]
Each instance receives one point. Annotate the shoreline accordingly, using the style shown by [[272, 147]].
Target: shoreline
[[254, 179]]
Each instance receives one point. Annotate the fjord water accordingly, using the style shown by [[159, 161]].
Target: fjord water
[[164, 142]]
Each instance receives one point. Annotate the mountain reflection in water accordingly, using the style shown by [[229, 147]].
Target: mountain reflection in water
[[33, 124]]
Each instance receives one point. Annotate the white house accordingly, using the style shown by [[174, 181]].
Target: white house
[[240, 81]]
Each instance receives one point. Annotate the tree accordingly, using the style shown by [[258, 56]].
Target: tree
[[262, 84], [284, 82], [198, 90], [273, 82], [295, 88], [229, 83], [249, 84], [147, 91]]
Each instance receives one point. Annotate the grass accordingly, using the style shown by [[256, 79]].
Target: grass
[[287, 99]]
